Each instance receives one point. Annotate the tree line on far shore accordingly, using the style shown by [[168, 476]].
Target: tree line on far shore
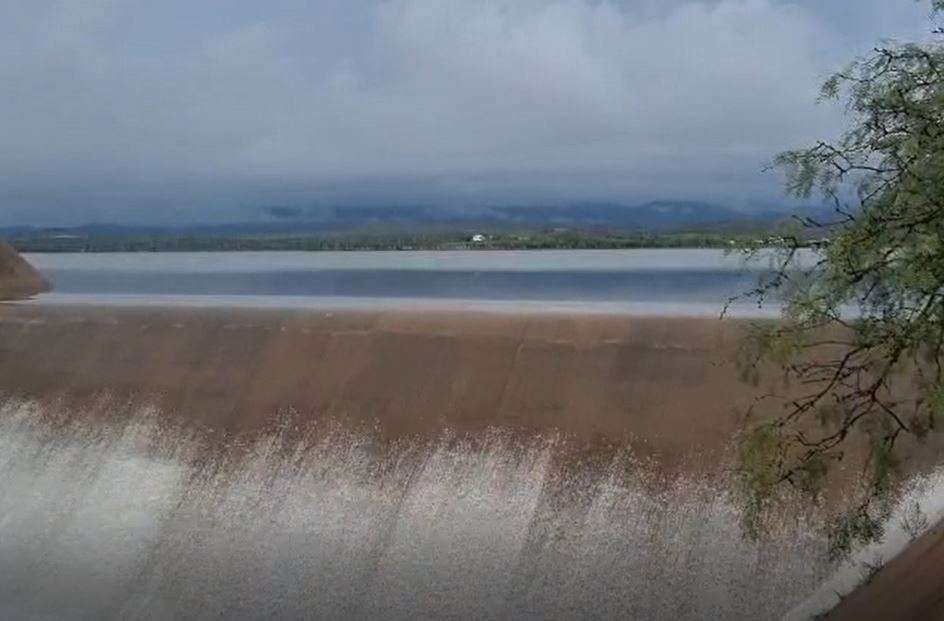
[[459, 240]]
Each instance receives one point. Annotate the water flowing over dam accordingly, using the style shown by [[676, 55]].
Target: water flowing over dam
[[136, 519]]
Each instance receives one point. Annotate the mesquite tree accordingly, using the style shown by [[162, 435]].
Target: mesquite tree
[[862, 336]]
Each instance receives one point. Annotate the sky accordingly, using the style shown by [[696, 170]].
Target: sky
[[136, 111]]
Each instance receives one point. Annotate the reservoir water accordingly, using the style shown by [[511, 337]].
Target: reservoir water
[[663, 281]]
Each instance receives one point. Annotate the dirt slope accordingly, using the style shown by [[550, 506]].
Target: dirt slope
[[910, 587], [18, 279]]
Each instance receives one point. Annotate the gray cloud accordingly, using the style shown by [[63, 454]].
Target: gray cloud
[[135, 110]]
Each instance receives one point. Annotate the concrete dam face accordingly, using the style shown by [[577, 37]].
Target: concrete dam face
[[169, 463]]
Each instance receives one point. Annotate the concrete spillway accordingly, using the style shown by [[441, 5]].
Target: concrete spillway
[[202, 463], [596, 378]]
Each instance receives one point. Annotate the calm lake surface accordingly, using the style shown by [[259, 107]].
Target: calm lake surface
[[657, 281]]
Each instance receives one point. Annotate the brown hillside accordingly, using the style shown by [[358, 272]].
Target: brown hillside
[[18, 279], [909, 587]]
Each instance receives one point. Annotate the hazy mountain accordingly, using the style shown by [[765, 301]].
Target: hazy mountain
[[655, 216]]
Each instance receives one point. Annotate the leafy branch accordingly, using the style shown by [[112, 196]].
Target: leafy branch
[[862, 336]]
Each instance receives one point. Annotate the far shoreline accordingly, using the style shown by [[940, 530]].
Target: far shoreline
[[27, 249], [393, 242]]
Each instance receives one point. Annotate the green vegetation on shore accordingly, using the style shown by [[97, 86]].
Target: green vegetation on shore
[[545, 240]]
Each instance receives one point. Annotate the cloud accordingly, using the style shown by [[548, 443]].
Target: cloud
[[125, 109]]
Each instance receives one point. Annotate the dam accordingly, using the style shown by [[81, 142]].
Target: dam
[[210, 459]]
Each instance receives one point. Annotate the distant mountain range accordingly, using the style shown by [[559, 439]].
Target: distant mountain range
[[653, 217], [659, 216]]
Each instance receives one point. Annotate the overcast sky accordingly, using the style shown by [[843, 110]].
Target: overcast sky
[[202, 110]]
